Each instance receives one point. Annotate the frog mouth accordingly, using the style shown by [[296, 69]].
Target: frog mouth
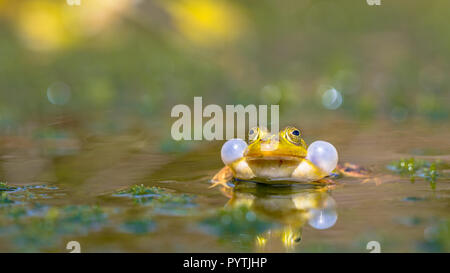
[[276, 158]]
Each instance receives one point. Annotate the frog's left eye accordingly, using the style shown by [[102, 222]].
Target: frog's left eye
[[253, 134], [294, 136]]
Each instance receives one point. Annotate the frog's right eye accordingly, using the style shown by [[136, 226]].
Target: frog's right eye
[[253, 134]]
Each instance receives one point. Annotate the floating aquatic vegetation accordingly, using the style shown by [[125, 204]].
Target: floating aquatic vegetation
[[413, 199], [18, 194], [79, 217], [4, 198], [237, 224], [138, 190], [414, 168], [24, 195], [31, 231], [157, 197], [139, 226], [5, 187], [32, 227]]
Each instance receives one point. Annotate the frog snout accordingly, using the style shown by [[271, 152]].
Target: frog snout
[[270, 143]]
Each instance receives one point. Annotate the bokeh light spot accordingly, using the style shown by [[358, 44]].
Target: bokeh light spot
[[58, 93], [332, 99], [206, 22], [271, 94]]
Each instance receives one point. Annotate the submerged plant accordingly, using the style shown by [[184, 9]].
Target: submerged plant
[[414, 168]]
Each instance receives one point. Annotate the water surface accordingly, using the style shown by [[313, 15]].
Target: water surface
[[69, 187]]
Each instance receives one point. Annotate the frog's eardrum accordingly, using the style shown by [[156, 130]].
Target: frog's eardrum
[[323, 155]]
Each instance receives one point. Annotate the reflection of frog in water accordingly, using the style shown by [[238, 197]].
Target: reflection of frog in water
[[292, 207]]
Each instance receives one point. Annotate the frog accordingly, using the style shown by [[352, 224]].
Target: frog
[[276, 158]]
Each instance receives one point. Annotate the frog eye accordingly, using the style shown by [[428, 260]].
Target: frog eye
[[253, 134], [294, 135]]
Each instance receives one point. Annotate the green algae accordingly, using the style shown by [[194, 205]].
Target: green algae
[[417, 168], [138, 226], [157, 197], [139, 190], [5, 187]]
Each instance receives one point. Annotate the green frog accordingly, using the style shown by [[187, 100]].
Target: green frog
[[278, 158]]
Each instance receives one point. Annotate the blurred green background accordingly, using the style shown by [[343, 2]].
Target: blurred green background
[[109, 66]]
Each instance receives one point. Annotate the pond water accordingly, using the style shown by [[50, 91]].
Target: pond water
[[69, 186]]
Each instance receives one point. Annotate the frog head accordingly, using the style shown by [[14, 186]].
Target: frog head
[[287, 144]]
